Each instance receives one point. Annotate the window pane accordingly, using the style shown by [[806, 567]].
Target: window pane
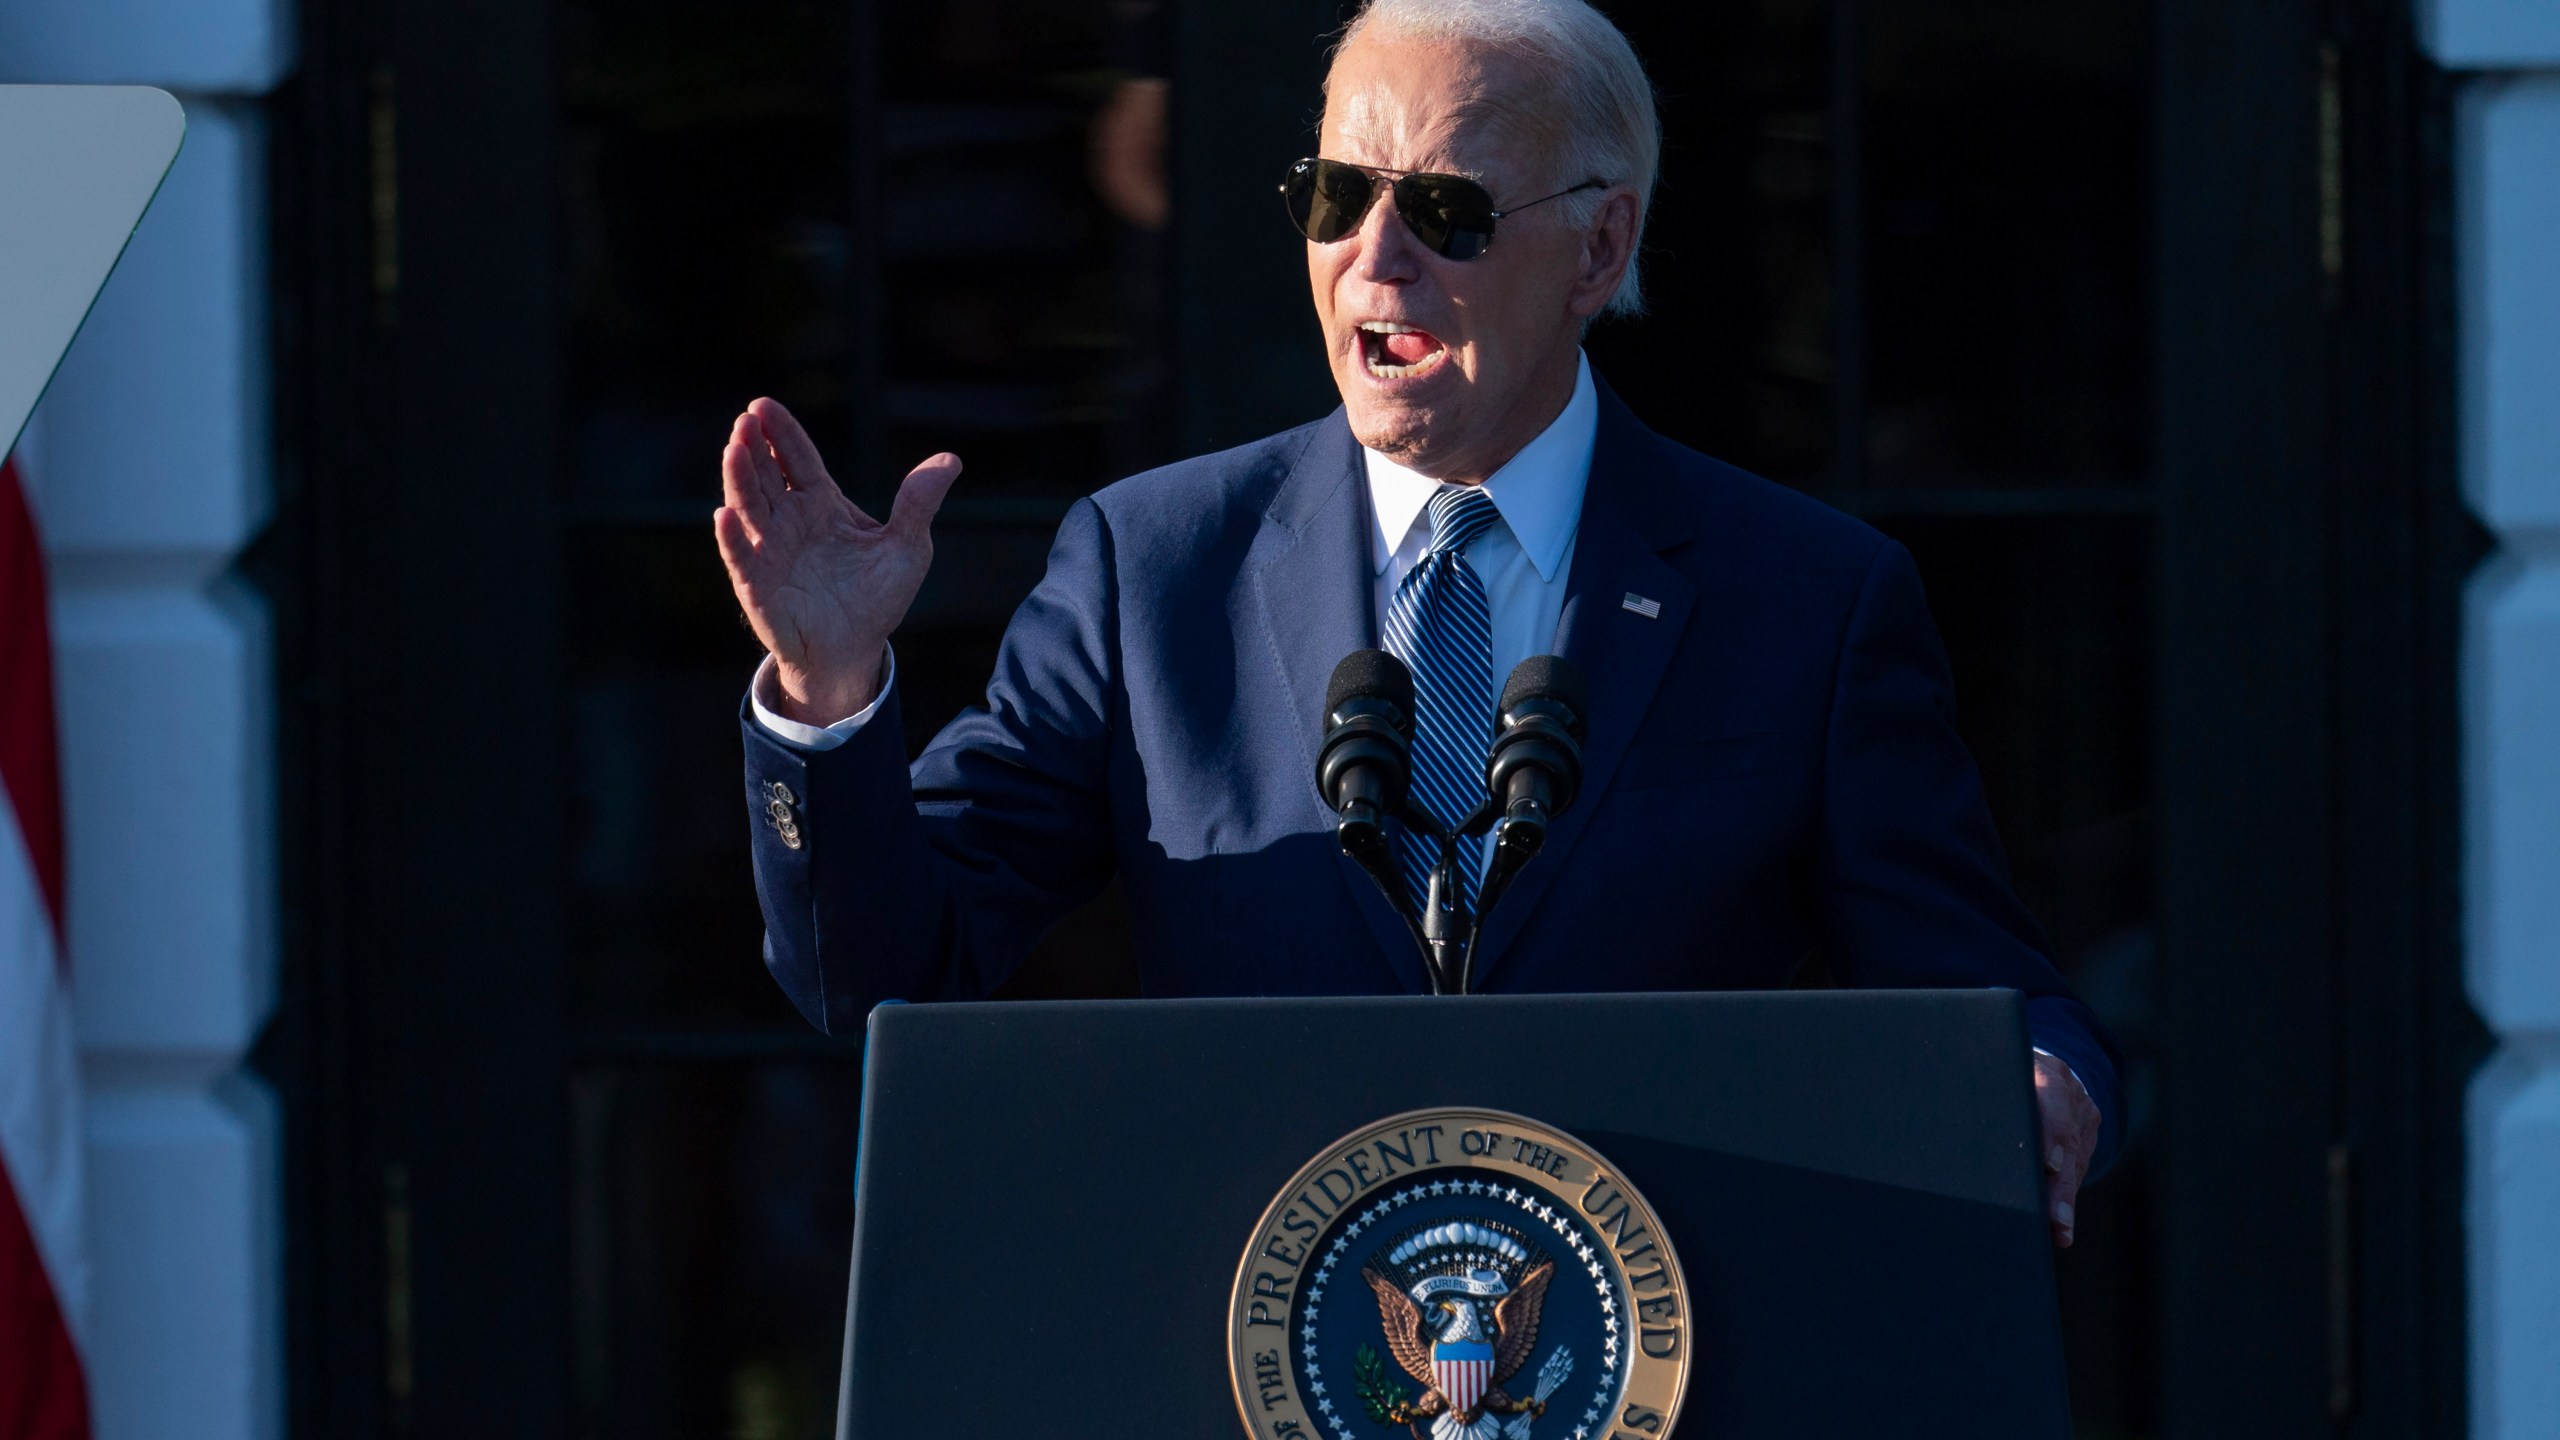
[[1022, 246], [1735, 356], [663, 909], [2007, 157], [707, 198], [2048, 628], [713, 1231], [1000, 297]]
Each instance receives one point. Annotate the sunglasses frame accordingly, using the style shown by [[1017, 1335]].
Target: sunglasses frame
[[1306, 166]]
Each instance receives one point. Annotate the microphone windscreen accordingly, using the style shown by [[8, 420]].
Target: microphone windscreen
[[1373, 675], [1549, 677]]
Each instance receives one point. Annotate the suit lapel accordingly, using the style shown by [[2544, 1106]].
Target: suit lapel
[[1627, 522], [1309, 570]]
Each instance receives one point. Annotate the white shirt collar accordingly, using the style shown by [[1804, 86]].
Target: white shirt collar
[[1538, 492]]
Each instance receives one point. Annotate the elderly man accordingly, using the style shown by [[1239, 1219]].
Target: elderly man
[[1770, 768]]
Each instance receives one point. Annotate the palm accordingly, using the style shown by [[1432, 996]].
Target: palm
[[811, 586], [822, 583]]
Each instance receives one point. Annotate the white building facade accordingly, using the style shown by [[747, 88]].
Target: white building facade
[[148, 466], [2507, 269]]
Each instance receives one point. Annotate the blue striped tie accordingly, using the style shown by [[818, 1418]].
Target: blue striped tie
[[1441, 627]]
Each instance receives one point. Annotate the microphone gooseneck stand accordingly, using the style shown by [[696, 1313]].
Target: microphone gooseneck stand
[[1364, 773]]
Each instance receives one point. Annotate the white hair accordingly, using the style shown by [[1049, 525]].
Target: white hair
[[1609, 129]]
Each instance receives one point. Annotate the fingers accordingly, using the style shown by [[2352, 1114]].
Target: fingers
[[737, 546], [2078, 1149], [920, 494], [750, 483], [2065, 1205], [791, 444], [2068, 1121], [2062, 1170]]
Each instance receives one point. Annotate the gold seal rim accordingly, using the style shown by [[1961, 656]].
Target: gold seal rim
[[1677, 1370]]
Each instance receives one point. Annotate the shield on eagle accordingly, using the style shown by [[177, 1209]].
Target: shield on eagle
[[1459, 1304], [1462, 1372]]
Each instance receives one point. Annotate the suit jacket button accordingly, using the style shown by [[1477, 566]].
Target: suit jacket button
[[790, 835], [776, 790]]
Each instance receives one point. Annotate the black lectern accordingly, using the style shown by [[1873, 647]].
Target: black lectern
[[1055, 1200]]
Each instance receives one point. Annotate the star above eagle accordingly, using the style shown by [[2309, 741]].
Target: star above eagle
[[1411, 1333]]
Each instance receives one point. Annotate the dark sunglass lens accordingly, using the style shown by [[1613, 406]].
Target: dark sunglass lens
[[1327, 200], [1452, 216], [1298, 192]]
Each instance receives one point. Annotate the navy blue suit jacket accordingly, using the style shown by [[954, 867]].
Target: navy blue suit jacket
[[1772, 767]]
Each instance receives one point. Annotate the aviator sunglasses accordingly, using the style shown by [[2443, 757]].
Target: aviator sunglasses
[[1450, 214]]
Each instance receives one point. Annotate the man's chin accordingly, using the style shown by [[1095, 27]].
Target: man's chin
[[1404, 435], [1402, 429]]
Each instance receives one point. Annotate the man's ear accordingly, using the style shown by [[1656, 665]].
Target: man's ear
[[1608, 247]]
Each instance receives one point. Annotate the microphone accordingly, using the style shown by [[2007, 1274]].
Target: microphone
[[1532, 774], [1535, 768], [1366, 764]]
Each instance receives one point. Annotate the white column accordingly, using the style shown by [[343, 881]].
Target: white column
[[2507, 237], [149, 474]]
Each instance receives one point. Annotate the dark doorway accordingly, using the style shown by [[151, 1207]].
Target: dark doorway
[[1902, 260]]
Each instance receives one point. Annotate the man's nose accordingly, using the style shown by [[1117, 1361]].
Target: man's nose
[[1389, 253]]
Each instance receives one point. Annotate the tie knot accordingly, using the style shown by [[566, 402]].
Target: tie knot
[[1460, 513]]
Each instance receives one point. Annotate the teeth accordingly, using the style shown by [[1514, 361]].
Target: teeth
[[1385, 369], [1376, 359]]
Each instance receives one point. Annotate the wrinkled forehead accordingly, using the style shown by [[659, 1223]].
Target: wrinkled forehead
[[1436, 105]]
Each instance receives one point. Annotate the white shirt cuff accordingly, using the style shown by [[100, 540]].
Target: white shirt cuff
[[765, 691], [2038, 1049]]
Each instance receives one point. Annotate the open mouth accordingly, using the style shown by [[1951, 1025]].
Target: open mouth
[[1399, 352]]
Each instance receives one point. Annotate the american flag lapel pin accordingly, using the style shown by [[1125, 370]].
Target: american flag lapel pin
[[1649, 609]]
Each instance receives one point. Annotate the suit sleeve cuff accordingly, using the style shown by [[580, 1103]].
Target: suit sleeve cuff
[[765, 691]]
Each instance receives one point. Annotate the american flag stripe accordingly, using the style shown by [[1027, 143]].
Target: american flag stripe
[[43, 1395], [1463, 1382]]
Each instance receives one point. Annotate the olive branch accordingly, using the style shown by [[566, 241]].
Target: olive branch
[[1380, 1396]]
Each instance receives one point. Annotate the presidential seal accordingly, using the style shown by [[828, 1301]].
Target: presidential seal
[[1459, 1275]]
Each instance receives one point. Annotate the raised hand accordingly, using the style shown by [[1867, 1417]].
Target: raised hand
[[822, 583]]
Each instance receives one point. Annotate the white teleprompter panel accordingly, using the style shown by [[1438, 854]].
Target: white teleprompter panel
[[238, 47], [2508, 203], [156, 427], [79, 164]]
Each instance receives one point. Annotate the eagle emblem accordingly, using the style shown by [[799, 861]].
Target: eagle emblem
[[1458, 1274], [1459, 1303]]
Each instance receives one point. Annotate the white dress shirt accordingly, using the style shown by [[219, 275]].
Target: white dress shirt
[[1522, 559]]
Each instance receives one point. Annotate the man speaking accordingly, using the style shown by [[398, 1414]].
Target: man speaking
[[1770, 770]]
